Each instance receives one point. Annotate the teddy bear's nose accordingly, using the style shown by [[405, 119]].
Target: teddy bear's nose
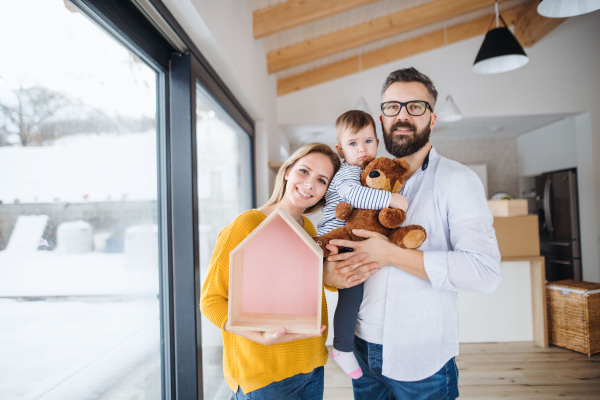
[[374, 174]]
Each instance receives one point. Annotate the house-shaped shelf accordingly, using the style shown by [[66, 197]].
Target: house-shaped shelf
[[275, 278]]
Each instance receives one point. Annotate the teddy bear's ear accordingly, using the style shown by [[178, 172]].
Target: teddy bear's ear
[[403, 164], [366, 162]]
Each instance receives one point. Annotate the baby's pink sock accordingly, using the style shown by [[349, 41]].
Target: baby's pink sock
[[347, 362]]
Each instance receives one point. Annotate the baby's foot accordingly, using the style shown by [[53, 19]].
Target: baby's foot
[[347, 362]]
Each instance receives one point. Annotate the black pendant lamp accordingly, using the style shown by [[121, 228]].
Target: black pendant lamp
[[566, 8], [500, 50]]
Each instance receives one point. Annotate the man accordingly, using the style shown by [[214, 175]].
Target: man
[[407, 330]]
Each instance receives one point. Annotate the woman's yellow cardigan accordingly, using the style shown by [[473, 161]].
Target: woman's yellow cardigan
[[247, 363]]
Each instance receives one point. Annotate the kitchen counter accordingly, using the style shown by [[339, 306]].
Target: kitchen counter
[[516, 312]]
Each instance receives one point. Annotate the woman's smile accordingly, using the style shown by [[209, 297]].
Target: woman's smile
[[303, 193]]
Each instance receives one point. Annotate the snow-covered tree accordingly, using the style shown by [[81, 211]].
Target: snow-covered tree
[[29, 109]]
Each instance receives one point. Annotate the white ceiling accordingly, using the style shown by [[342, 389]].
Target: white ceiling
[[467, 128]]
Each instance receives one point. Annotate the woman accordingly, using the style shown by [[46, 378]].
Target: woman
[[273, 365]]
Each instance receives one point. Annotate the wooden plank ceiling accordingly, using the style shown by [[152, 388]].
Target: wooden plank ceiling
[[309, 42]]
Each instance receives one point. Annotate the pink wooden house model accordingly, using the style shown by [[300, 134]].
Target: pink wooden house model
[[275, 278]]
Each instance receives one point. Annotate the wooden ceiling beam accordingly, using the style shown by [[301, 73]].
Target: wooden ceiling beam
[[427, 42], [377, 29], [292, 13]]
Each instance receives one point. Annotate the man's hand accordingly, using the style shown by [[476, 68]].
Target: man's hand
[[272, 337], [373, 250], [346, 270], [377, 251]]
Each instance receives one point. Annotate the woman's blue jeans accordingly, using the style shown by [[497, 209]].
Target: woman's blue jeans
[[443, 385], [298, 387]]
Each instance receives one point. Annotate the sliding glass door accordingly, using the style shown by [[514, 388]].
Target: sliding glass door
[[79, 254], [122, 156], [224, 176]]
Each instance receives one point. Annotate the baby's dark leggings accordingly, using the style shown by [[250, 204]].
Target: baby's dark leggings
[[344, 319]]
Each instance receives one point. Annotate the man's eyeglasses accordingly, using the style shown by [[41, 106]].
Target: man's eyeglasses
[[415, 108]]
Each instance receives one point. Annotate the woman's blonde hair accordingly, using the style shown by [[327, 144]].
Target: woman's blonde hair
[[280, 182]]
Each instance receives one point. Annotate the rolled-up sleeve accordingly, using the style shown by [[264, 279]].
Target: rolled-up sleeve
[[472, 261]]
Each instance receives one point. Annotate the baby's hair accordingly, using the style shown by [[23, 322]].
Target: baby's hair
[[353, 120]]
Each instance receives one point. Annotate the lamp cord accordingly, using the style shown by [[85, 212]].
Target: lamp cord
[[497, 18], [497, 13]]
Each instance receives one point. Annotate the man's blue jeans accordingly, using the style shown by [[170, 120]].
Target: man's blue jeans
[[443, 385], [298, 387]]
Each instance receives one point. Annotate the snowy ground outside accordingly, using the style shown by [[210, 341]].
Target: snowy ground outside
[[73, 325], [97, 167], [84, 324]]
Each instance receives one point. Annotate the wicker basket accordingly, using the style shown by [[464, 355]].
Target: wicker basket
[[574, 315]]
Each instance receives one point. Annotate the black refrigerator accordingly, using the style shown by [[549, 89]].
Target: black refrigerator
[[558, 215]]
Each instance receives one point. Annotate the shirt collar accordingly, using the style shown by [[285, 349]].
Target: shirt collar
[[426, 160]]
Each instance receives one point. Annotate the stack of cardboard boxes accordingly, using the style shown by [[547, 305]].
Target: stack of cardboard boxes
[[517, 233]]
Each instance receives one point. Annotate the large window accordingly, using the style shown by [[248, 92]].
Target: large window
[[224, 191], [122, 155], [79, 258]]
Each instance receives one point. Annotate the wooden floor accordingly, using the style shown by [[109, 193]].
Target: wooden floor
[[516, 370]]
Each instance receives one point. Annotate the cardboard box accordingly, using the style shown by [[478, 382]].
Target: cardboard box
[[276, 278], [518, 236], [574, 315], [508, 207]]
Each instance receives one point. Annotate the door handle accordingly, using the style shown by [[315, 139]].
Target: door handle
[[547, 215], [557, 244], [555, 261]]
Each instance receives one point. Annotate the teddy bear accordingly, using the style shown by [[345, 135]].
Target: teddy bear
[[385, 174]]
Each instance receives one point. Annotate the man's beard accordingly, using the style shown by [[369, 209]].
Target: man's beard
[[404, 145]]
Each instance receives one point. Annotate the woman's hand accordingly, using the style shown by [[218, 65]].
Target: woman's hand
[[272, 337]]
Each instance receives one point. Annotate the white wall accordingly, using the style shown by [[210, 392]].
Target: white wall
[[561, 77], [550, 148], [497, 153], [222, 31]]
